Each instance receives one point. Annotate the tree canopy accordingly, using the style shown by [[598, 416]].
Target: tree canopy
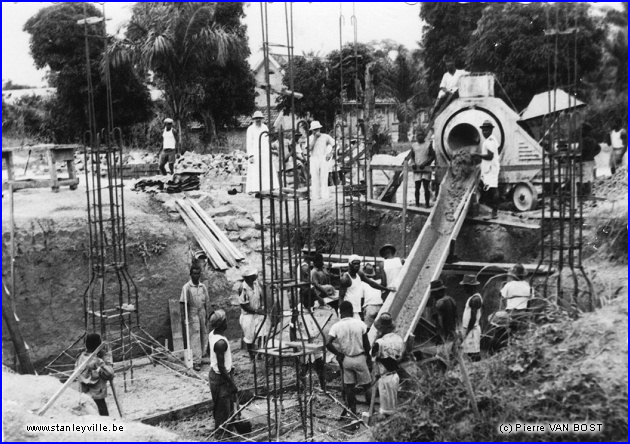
[[510, 41], [447, 32], [57, 41], [187, 46]]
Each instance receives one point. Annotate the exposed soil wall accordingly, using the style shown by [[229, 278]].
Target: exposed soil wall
[[52, 275]]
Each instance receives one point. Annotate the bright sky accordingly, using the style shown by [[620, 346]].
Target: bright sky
[[315, 28]]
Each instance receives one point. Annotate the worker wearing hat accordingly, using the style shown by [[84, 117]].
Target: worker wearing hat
[[392, 266], [351, 287], [471, 328], [322, 146], [388, 350], [222, 386], [254, 319], [260, 170], [195, 298], [490, 166], [168, 154], [444, 311]]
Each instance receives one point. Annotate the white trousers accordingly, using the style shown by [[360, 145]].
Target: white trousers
[[319, 178]]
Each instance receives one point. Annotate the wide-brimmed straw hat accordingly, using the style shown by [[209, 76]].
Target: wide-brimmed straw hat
[[487, 124], [249, 271], [437, 285], [386, 247], [469, 279], [384, 323], [257, 115], [315, 125]]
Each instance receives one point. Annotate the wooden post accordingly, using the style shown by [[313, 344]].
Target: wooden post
[[368, 180], [467, 384], [54, 182], [8, 315], [70, 380], [404, 206], [12, 227]]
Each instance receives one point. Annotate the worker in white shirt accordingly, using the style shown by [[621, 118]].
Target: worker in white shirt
[[619, 144], [517, 292], [372, 300], [322, 146], [490, 167], [351, 288], [169, 147], [448, 86], [392, 265]]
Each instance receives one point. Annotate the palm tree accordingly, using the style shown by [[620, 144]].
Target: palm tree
[[174, 41]]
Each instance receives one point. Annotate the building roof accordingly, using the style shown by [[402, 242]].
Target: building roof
[[275, 60], [558, 99]]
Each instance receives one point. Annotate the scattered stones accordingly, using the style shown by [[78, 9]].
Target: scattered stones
[[232, 226], [233, 235], [245, 223]]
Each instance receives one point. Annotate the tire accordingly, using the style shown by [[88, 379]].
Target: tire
[[524, 196]]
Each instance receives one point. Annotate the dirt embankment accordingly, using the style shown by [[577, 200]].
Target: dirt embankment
[[52, 264], [23, 395]]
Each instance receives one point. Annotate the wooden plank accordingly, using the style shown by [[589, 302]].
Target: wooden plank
[[70, 380], [176, 325], [216, 231], [209, 238], [477, 220], [404, 205], [213, 255]]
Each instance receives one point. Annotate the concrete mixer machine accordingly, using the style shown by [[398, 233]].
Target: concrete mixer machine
[[457, 127]]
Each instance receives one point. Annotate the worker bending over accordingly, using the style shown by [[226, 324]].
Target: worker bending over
[[349, 342], [388, 350], [351, 288], [222, 386]]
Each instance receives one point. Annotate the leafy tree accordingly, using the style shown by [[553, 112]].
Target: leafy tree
[[57, 41], [510, 41], [310, 75], [228, 90], [447, 31], [403, 83], [176, 41]]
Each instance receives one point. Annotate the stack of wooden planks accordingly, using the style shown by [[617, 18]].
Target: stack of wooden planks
[[222, 254]]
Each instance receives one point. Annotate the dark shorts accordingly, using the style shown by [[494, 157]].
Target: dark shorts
[[167, 156]]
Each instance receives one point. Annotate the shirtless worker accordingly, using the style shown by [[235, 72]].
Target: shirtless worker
[[351, 288]]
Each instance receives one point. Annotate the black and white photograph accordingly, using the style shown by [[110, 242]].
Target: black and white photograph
[[314, 221]]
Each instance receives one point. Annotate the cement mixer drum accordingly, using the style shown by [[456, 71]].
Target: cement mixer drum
[[458, 127]]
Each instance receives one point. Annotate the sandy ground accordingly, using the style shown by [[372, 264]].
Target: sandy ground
[[23, 395]]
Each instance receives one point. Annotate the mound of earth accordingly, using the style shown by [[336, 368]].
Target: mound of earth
[[563, 371], [24, 395]]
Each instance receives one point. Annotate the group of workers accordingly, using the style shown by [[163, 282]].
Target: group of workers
[[361, 295]]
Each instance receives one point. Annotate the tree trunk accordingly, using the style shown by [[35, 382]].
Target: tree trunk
[[368, 107], [26, 366]]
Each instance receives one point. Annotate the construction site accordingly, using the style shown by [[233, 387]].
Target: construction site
[[107, 250]]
